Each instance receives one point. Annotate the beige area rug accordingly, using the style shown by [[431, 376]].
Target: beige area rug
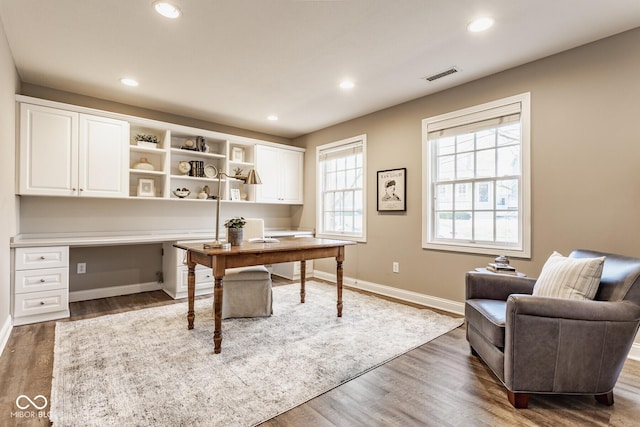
[[144, 368]]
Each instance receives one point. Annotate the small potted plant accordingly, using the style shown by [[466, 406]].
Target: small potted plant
[[235, 230], [146, 140]]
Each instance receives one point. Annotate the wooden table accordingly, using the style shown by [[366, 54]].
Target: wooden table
[[286, 250]]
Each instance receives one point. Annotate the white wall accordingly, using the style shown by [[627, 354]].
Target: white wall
[[9, 86]]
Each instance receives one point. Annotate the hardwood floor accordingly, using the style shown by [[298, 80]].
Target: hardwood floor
[[437, 384]]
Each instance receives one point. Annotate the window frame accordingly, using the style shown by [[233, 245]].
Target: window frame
[[320, 230], [468, 116]]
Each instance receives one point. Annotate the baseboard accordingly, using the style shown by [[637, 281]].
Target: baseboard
[[113, 291], [401, 294], [5, 332], [634, 353]]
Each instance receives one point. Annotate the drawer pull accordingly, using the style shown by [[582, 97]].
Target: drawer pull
[[42, 280], [41, 302], [43, 257]]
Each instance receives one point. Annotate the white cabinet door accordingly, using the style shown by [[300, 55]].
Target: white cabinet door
[[291, 169], [103, 157], [281, 174], [269, 170], [48, 151], [64, 153]]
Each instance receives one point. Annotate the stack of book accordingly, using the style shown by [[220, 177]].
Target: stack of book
[[197, 168], [501, 268]]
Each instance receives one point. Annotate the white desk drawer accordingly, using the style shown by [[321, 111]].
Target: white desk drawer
[[43, 279], [42, 257], [204, 278], [33, 303]]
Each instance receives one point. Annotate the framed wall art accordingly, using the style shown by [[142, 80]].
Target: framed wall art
[[237, 154], [146, 187], [392, 190]]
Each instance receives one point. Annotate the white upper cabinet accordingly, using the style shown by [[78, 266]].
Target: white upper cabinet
[[65, 153], [281, 173], [103, 157], [48, 151]]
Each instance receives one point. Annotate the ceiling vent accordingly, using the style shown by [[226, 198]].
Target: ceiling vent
[[441, 74]]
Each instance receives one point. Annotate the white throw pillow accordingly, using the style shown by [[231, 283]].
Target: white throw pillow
[[573, 278]]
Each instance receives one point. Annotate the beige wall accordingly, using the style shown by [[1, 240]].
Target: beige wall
[[9, 85], [585, 146]]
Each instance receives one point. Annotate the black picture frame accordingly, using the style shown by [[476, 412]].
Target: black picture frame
[[392, 190]]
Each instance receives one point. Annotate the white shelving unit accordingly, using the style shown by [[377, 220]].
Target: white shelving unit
[[120, 177]]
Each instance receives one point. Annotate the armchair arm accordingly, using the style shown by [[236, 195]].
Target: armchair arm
[[555, 345], [612, 311], [496, 286]]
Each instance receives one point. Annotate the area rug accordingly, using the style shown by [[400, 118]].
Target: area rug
[[144, 367]]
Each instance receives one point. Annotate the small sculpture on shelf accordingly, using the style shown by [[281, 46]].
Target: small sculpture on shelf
[[204, 193], [184, 167]]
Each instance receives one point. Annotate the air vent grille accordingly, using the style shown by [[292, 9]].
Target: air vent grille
[[441, 74]]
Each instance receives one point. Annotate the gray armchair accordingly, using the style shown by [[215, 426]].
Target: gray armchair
[[551, 345]]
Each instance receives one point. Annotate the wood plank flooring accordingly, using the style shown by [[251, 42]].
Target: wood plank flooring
[[437, 384]]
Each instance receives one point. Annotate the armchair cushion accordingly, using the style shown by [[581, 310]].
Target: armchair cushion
[[488, 317], [572, 278]]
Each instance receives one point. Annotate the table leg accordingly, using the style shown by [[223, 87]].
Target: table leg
[[303, 278], [217, 313], [339, 260], [191, 291]]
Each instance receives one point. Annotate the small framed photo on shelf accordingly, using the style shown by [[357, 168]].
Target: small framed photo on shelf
[[392, 190], [237, 154], [146, 187], [235, 194]]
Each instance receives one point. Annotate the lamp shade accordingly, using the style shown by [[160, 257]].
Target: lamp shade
[[253, 177]]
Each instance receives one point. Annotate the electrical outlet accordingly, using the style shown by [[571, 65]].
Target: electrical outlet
[[82, 268], [396, 267]]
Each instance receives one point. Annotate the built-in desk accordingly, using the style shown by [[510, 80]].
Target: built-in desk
[[40, 273]]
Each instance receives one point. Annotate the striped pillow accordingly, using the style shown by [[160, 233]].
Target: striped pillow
[[572, 278]]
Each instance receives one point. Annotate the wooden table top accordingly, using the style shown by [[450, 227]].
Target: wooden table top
[[283, 244]]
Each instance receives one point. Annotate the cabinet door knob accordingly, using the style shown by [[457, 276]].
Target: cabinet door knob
[[43, 257], [41, 302], [42, 280]]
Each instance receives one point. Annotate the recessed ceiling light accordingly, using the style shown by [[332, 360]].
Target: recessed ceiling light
[[347, 84], [272, 117], [166, 9], [480, 24], [129, 82]]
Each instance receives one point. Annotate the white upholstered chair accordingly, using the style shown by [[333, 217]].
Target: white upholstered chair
[[247, 290]]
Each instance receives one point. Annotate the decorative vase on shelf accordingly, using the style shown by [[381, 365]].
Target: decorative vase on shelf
[[143, 164]]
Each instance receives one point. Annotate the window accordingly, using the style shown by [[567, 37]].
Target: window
[[341, 189], [476, 179]]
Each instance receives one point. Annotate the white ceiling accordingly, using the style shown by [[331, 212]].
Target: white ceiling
[[236, 61]]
